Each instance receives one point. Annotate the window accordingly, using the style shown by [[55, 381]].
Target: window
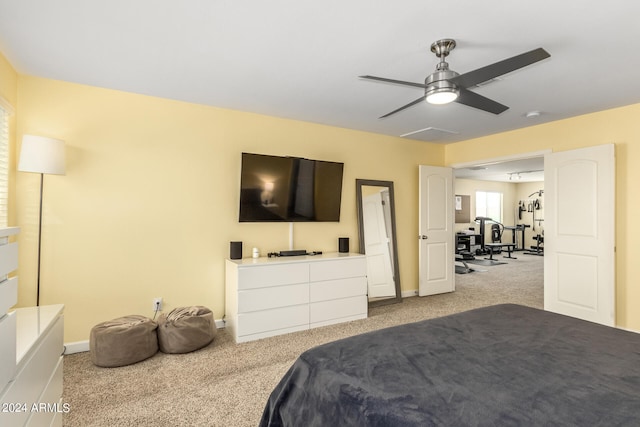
[[5, 112], [489, 204]]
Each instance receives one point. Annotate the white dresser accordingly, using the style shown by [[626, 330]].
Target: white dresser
[[273, 296], [31, 347], [8, 298]]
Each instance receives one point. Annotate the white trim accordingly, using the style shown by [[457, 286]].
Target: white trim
[[76, 347], [409, 294], [494, 160], [627, 329], [83, 346]]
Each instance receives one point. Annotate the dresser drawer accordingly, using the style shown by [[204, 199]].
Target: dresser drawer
[[7, 349], [28, 385], [272, 320], [8, 294], [273, 297], [8, 258], [338, 269], [335, 289], [51, 397], [271, 275], [327, 312]]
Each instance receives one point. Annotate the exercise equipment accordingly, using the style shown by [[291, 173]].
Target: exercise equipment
[[538, 249], [517, 238], [496, 233]]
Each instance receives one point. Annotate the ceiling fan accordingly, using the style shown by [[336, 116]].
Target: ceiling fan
[[444, 85]]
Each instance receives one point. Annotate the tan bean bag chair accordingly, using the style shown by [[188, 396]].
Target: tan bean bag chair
[[123, 341], [186, 329]]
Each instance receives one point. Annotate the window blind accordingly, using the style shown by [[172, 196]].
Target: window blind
[[4, 166]]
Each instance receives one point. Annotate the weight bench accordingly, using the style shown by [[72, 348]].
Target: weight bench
[[492, 246]]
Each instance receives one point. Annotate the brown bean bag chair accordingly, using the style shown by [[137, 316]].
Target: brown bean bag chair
[[186, 329], [123, 341]]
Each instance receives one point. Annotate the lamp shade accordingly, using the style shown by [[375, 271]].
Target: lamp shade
[[40, 154]]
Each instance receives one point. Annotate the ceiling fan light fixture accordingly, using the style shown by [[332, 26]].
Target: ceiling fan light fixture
[[444, 86], [442, 96]]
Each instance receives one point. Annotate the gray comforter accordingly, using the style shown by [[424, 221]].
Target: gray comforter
[[504, 365]]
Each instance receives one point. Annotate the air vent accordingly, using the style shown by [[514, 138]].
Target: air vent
[[432, 131]]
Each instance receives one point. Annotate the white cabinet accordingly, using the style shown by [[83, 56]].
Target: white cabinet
[[34, 396], [8, 298], [31, 347], [273, 296]]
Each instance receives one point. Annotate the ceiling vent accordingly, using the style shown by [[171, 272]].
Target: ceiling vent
[[432, 131]]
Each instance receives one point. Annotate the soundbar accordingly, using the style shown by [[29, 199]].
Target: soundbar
[[295, 252]]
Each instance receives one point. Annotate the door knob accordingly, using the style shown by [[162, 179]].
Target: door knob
[[423, 237]]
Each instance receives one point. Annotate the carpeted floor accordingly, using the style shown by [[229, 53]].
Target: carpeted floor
[[227, 384]]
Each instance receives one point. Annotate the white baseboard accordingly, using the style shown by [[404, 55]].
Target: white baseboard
[[407, 294], [82, 346], [76, 347], [628, 330]]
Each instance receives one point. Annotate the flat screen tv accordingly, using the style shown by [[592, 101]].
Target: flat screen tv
[[289, 189]]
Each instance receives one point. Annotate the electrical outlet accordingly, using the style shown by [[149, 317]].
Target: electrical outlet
[[157, 304]]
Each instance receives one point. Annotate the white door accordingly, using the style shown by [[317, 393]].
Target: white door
[[436, 252], [376, 241], [579, 245]]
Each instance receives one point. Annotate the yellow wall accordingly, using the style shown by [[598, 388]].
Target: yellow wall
[[8, 81], [150, 199], [149, 202], [619, 126]]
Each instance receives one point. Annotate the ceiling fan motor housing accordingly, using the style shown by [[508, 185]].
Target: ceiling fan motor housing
[[439, 90], [439, 82]]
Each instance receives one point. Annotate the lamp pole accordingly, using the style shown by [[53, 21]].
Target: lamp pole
[[39, 241]]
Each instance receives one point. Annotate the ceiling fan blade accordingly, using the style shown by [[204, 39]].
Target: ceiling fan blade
[[474, 100], [412, 103], [489, 72], [398, 82]]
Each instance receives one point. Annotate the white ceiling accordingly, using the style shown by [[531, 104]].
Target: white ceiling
[[514, 171], [301, 60]]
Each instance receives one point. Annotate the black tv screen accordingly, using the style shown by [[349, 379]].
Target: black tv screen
[[289, 189]]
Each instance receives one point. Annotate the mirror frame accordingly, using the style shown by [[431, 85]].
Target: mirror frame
[[389, 185]]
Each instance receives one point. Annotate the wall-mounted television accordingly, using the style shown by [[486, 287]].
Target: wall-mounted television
[[289, 189]]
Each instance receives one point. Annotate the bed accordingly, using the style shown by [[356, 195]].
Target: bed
[[504, 365]]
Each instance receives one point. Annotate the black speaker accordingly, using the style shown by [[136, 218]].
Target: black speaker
[[343, 244], [236, 250]]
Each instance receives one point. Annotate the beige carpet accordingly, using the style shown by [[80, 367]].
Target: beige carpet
[[227, 384]]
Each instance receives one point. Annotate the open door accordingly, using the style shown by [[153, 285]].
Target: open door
[[436, 253], [579, 265]]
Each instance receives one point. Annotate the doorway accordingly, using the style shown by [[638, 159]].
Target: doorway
[[508, 191], [581, 231], [507, 195]]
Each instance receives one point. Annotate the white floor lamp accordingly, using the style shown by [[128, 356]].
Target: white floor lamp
[[41, 155]]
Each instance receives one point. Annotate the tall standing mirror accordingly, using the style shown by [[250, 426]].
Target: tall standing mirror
[[377, 221]]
